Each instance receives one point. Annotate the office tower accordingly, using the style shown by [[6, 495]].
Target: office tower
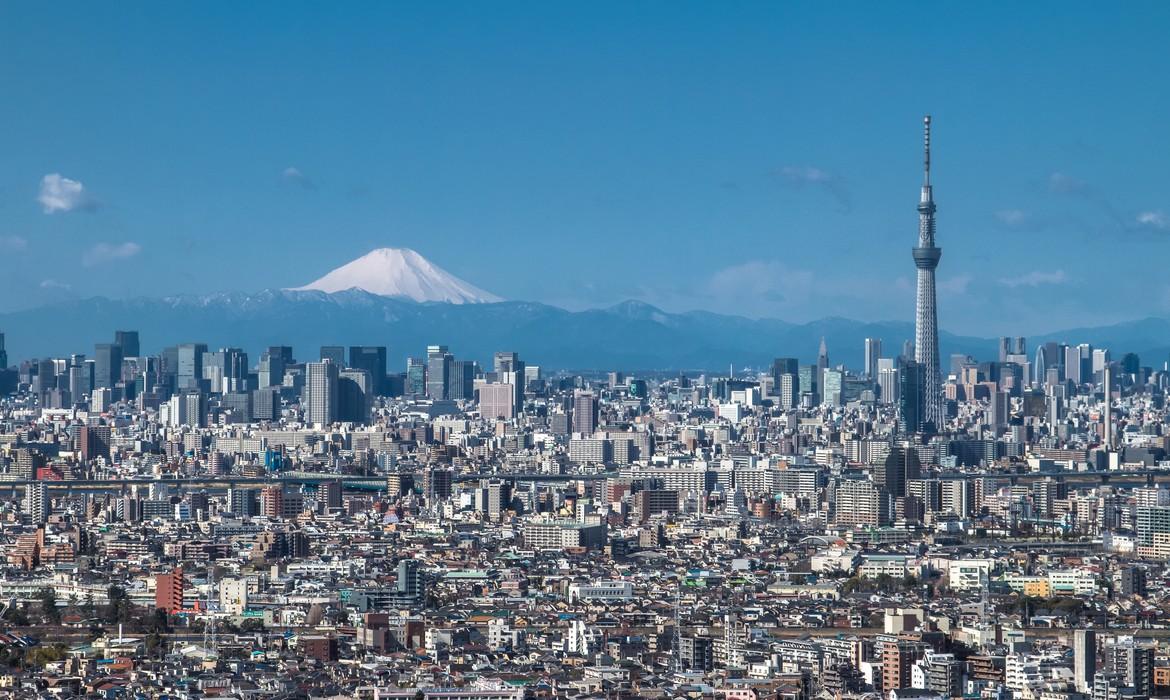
[[900, 465], [36, 502], [266, 403], [439, 362], [355, 395], [371, 358], [189, 370], [509, 368], [1084, 659], [926, 257], [128, 341], [832, 381], [911, 397], [226, 370], [1005, 348], [887, 379], [416, 376], [462, 386], [497, 400], [321, 392], [3, 354], [786, 381], [822, 362], [1100, 359], [1107, 407], [809, 382], [107, 365], [873, 350], [585, 413], [273, 362], [333, 353]]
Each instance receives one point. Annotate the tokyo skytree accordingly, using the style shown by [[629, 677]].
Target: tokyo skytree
[[926, 256]]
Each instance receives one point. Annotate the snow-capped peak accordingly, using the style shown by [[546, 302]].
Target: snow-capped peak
[[400, 272]]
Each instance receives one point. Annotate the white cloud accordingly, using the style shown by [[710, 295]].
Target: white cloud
[[1011, 217], [763, 280], [809, 176], [1035, 278], [109, 252], [954, 284], [54, 284], [1066, 184], [59, 193], [13, 244], [1154, 219], [294, 175]]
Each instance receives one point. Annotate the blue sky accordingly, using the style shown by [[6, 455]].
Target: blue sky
[[759, 158]]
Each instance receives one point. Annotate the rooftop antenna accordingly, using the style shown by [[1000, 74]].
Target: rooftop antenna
[[926, 150]]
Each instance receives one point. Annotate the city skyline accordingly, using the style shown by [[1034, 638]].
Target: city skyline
[[737, 146]]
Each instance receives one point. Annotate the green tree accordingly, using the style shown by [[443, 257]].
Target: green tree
[[47, 597]]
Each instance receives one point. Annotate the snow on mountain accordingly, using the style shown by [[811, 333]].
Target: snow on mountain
[[400, 272]]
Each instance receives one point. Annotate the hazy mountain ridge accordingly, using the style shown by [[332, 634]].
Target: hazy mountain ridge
[[631, 335]]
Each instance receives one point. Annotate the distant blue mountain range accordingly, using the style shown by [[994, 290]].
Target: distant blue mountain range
[[629, 336]]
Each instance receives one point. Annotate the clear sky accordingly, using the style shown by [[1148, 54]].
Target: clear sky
[[737, 157]]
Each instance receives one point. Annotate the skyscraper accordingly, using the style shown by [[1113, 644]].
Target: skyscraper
[[107, 365], [321, 392], [439, 362], [333, 353], [585, 413], [128, 341], [873, 350], [371, 358], [926, 256]]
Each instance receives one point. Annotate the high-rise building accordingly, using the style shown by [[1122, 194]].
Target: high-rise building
[[416, 376], [107, 365], [901, 465], [497, 400], [36, 502], [911, 397], [321, 392], [226, 370], [1134, 662], [168, 591], [788, 393], [887, 379], [371, 358], [189, 370], [1084, 659], [3, 354], [822, 361], [333, 353], [273, 362], [355, 395], [439, 362], [128, 341], [585, 413], [873, 350], [926, 257], [462, 386]]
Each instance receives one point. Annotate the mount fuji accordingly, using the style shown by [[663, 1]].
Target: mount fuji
[[401, 273]]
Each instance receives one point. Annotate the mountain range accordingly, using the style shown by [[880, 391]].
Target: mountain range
[[399, 299]]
